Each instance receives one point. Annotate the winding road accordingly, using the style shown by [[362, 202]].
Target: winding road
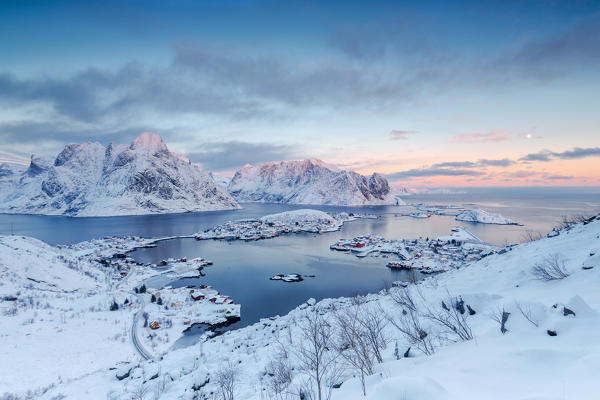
[[134, 337]]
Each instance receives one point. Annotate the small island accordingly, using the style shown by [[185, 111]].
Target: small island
[[484, 217]]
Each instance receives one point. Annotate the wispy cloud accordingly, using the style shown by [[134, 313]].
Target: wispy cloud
[[401, 134], [429, 172], [455, 164], [476, 137], [575, 153], [544, 155], [504, 162], [482, 163], [547, 57], [578, 152], [520, 174], [560, 177]]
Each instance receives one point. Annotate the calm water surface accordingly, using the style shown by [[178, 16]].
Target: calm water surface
[[242, 269]]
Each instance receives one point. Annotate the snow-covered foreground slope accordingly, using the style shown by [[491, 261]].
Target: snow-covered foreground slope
[[550, 348], [309, 182], [56, 321], [484, 217], [90, 180], [54, 316]]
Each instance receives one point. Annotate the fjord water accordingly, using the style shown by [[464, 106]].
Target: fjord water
[[242, 269], [539, 209]]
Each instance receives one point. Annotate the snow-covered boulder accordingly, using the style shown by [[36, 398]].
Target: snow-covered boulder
[[484, 217], [89, 179], [309, 182]]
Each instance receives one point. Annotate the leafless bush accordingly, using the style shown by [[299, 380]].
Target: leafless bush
[[404, 298], [409, 323], [531, 236], [280, 374], [373, 323], [453, 318], [315, 351], [352, 342], [568, 221], [226, 379], [550, 268], [140, 392], [527, 313], [500, 316]]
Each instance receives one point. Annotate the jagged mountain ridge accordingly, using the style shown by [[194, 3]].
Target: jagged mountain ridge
[[309, 182], [89, 179]]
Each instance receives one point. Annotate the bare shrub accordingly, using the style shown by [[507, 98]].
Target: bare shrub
[[315, 352], [567, 221], [352, 342], [500, 316], [409, 323], [373, 323], [550, 268], [527, 313], [531, 236], [140, 392], [280, 374], [226, 379], [452, 319]]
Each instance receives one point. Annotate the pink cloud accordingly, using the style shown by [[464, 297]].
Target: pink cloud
[[401, 134], [523, 174], [496, 135]]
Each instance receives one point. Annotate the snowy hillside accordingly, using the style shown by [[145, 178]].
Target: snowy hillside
[[484, 217], [499, 328], [309, 182], [89, 179], [39, 266], [67, 312]]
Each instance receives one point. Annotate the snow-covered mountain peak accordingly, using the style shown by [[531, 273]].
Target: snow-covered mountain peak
[[320, 163], [309, 181], [89, 179], [150, 142], [316, 161]]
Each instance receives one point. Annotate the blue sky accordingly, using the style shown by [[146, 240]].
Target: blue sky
[[374, 86]]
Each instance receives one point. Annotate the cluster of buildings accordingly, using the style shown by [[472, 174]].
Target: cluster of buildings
[[278, 224], [423, 254], [174, 310]]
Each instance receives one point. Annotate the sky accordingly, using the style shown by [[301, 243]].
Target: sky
[[432, 93]]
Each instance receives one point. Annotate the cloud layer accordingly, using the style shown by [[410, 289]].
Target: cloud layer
[[480, 168]]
